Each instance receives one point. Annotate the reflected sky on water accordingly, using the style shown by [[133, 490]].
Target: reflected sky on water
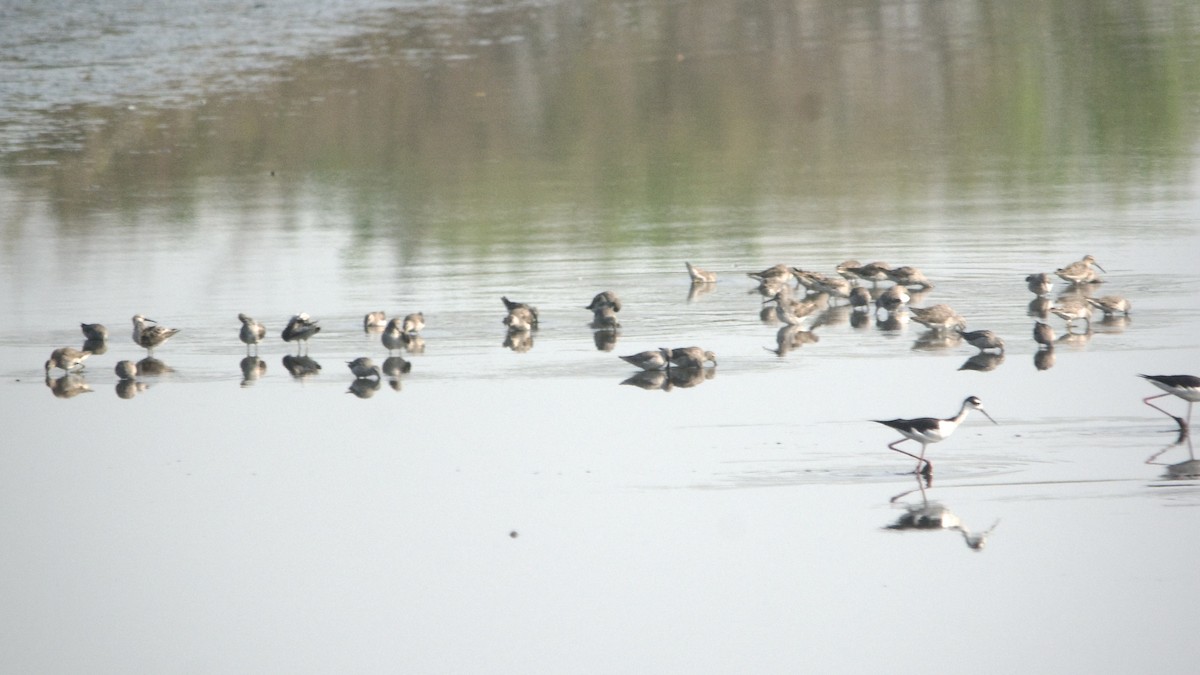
[[502, 501]]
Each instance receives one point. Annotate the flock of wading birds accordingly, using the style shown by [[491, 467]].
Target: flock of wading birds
[[791, 307]]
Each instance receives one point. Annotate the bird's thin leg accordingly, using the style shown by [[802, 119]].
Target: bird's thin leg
[[920, 458], [1179, 420]]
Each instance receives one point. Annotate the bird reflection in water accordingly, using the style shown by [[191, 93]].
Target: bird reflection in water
[[519, 341], [650, 380], [153, 367], [301, 367], [413, 344], [699, 290], [983, 362], [1186, 470], [67, 386], [792, 337], [1039, 308], [364, 387], [927, 515], [1044, 359], [96, 347], [127, 389], [394, 367], [936, 340], [606, 339], [671, 378], [253, 368]]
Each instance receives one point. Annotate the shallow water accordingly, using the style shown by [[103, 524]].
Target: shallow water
[[504, 510]]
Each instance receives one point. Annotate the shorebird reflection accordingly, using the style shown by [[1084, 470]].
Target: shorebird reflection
[[67, 386], [519, 341], [153, 366], [650, 380], [1044, 359], [792, 337], [364, 387], [928, 515], [96, 347], [983, 362], [127, 389], [252, 369], [1185, 470], [301, 367], [605, 339]]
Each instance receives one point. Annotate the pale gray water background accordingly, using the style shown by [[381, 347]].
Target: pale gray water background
[[436, 156]]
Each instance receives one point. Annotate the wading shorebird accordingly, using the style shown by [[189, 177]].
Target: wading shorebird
[[1039, 284], [150, 336], [1111, 304], [604, 299], [649, 360], [938, 317], [1080, 272], [374, 320], [700, 276], [1043, 334], [300, 328], [364, 367], [94, 332], [126, 370], [252, 332], [690, 357], [908, 276], [983, 340], [529, 313], [66, 358], [926, 430], [1186, 387]]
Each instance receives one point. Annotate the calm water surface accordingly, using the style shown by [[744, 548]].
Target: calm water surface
[[518, 510]]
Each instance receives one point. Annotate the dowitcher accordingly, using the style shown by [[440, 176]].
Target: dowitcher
[[66, 358], [1111, 304], [938, 317], [908, 276], [1080, 272], [94, 332], [649, 360], [983, 340], [1039, 284]]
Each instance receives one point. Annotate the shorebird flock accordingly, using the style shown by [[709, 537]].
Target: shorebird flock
[[794, 297]]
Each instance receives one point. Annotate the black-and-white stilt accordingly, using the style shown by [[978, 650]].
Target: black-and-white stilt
[[1186, 387], [926, 430]]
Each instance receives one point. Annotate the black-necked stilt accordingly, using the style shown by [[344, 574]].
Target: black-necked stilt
[[926, 430], [1186, 387], [1080, 272], [983, 340], [150, 336], [1111, 304]]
